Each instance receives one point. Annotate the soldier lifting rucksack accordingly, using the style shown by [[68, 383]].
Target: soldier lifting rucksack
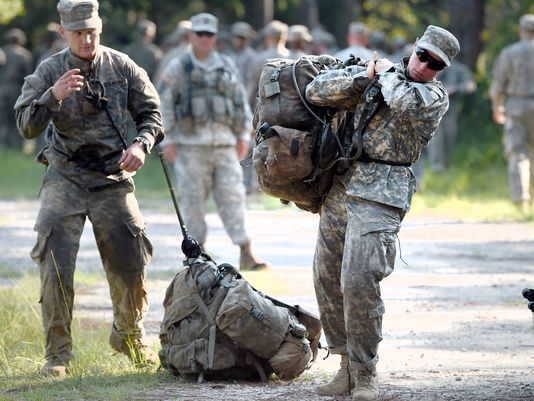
[[298, 144], [217, 326]]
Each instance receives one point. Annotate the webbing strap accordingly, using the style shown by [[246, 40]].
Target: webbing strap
[[213, 328]]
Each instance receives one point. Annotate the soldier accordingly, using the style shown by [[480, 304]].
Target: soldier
[[83, 95], [298, 41], [206, 117], [174, 45], [244, 55], [19, 63], [458, 80], [512, 98], [143, 50], [363, 211], [274, 40], [358, 42]]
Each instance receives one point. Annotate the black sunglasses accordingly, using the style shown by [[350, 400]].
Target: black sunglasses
[[425, 57], [205, 33]]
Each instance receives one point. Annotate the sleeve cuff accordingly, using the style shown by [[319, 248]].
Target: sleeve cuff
[[48, 100]]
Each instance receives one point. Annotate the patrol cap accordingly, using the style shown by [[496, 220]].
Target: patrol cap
[[299, 33], [243, 29], [358, 28], [204, 22], [76, 15], [526, 23], [440, 42], [275, 27]]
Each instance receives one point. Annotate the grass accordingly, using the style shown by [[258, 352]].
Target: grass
[[96, 374]]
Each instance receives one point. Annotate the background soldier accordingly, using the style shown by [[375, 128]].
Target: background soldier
[[458, 80], [512, 97], [357, 41], [143, 50], [363, 211], [206, 116], [18, 64], [89, 174]]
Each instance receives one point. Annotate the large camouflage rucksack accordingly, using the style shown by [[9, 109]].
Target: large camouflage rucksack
[[217, 326], [297, 144]]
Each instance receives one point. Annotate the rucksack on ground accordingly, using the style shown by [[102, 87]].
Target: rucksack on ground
[[297, 144], [217, 326]]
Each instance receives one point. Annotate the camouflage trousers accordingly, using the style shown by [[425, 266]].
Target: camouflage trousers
[[519, 151], [202, 170], [356, 248], [125, 251]]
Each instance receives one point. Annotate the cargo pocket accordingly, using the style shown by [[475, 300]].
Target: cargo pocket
[[136, 228], [199, 109], [374, 329], [382, 261], [43, 227], [219, 109]]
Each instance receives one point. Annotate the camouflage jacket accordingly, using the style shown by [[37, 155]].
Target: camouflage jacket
[[405, 122], [513, 78], [204, 103], [80, 128]]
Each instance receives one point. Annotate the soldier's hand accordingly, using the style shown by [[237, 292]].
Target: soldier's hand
[[499, 116], [133, 158], [242, 149], [371, 66], [171, 153], [68, 83]]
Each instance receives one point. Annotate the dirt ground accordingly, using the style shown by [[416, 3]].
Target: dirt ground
[[456, 326]]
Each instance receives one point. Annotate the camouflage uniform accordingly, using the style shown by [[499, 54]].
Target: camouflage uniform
[[205, 112], [73, 191], [513, 86], [362, 214]]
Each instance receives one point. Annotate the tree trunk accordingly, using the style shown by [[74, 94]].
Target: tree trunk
[[259, 12], [466, 22]]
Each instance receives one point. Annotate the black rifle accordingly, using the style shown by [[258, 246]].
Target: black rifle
[[190, 246]]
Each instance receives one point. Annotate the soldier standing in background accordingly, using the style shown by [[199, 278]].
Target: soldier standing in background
[[143, 50], [274, 39], [458, 80], [19, 63], [207, 120], [357, 40], [512, 98], [174, 45], [362, 213], [244, 55], [298, 41], [86, 92]]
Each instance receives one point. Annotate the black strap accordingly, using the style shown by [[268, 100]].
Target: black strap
[[364, 157]]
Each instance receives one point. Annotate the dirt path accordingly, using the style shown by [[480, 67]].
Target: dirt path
[[456, 326]]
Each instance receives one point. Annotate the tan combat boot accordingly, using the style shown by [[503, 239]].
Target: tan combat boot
[[140, 354], [55, 367], [340, 383], [249, 261], [365, 385]]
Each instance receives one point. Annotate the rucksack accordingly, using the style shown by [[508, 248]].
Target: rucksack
[[298, 145], [216, 326]]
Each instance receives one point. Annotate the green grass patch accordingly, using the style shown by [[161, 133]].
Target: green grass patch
[[96, 373]]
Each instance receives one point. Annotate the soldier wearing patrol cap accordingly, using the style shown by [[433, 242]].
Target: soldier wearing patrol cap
[[362, 213], [208, 120], [512, 97], [82, 96]]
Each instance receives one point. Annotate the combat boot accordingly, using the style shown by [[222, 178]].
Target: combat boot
[[249, 261], [55, 367], [140, 354], [365, 385], [340, 383]]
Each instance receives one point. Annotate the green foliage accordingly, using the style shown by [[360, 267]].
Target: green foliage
[[9, 9]]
